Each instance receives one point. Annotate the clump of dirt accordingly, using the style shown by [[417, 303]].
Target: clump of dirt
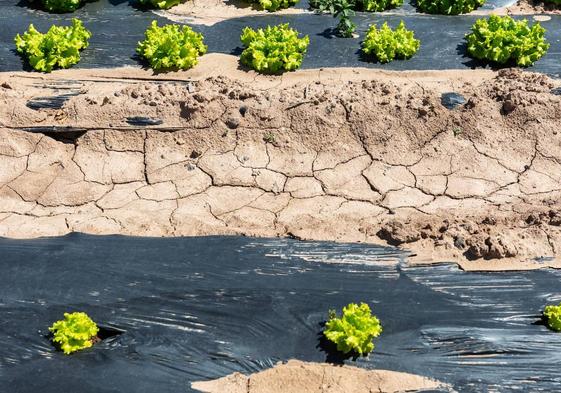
[[305, 377], [527, 7]]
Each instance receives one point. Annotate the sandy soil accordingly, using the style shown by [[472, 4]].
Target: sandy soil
[[339, 154], [528, 7], [302, 377], [210, 12]]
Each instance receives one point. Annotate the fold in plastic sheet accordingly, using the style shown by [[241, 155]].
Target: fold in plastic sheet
[[117, 27], [201, 308]]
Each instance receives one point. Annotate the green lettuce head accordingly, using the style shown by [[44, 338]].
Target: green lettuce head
[[355, 330], [75, 332], [552, 315]]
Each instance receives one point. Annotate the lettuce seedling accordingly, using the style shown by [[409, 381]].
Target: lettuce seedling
[[501, 39], [61, 6], [378, 5], [552, 316], [386, 44], [75, 332], [449, 7], [58, 48], [273, 49], [171, 47], [161, 4], [355, 330], [275, 5]]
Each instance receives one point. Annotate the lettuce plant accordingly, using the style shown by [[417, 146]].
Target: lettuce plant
[[171, 47], [75, 332], [448, 7], [273, 49], [378, 5], [161, 4], [552, 315], [355, 330], [386, 44], [274, 5], [61, 6], [58, 48], [501, 39]]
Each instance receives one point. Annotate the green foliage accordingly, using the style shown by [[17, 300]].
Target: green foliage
[[61, 6], [171, 47], [74, 332], [557, 2], [343, 9], [273, 49], [274, 5], [552, 315], [356, 5], [59, 48], [448, 7], [355, 330], [161, 4], [386, 44], [379, 5], [502, 39]]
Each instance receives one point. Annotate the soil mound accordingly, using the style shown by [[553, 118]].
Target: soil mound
[[303, 377]]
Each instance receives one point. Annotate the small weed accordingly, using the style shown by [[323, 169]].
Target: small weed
[[269, 137], [457, 131]]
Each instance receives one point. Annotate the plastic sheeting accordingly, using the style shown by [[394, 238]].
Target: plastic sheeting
[[200, 308], [117, 27]]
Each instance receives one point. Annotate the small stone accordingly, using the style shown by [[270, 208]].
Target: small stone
[[232, 122], [6, 85], [460, 242], [243, 110], [508, 106], [452, 100], [194, 154]]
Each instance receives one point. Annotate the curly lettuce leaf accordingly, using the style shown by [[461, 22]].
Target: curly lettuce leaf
[[274, 5], [74, 332], [58, 48], [355, 330], [386, 44], [273, 49], [501, 39], [160, 4], [552, 315], [171, 47], [448, 7], [377, 5]]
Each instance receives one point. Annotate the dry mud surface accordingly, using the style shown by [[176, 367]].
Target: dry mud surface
[[339, 154], [304, 377], [210, 12]]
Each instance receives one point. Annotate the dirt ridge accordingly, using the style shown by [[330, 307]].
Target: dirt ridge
[[348, 156]]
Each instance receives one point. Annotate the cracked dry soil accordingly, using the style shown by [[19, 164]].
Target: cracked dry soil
[[341, 155]]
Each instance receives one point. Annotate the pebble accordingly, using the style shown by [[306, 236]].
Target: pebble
[[452, 100]]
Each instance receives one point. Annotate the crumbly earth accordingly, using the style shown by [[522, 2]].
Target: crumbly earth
[[526, 7], [210, 12], [303, 377], [345, 154]]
